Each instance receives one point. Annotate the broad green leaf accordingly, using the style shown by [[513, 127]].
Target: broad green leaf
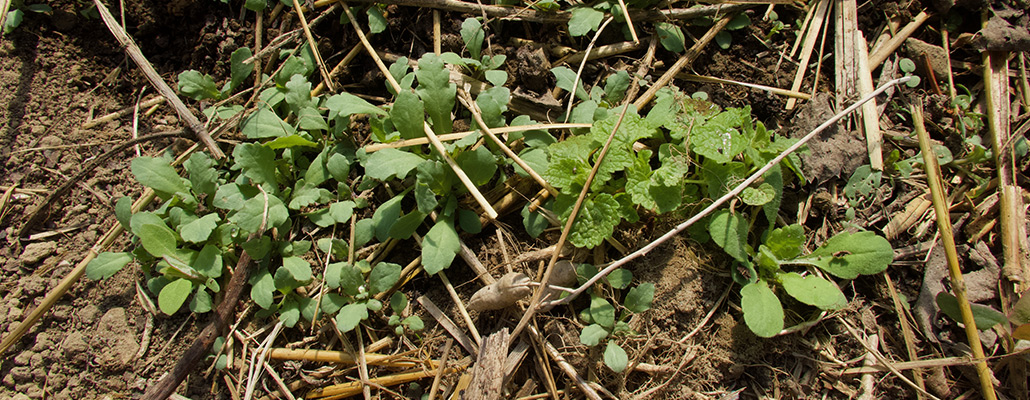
[[332, 303], [406, 225], [813, 290], [307, 195], [671, 36], [253, 214], [123, 211], [440, 246], [294, 65], [346, 104], [738, 22], [639, 298], [436, 91], [374, 305], [479, 164], [200, 229], [761, 195], [592, 334], [566, 79], [232, 196], [173, 295], [265, 123], [398, 302], [616, 85], [258, 248], [385, 216], [719, 139], [339, 166], [389, 163], [620, 278], [106, 264], [729, 231], [847, 255], [786, 242], [209, 262], [584, 20], [473, 35], [723, 39], [383, 276], [255, 5], [494, 102], [602, 311], [198, 86], [289, 312], [300, 269], [203, 176], [157, 174], [376, 20], [496, 77], [533, 221], [536, 158], [257, 162], [984, 316], [408, 114], [350, 316], [158, 240], [414, 323], [595, 222], [1020, 312], [310, 119], [763, 312], [201, 302], [262, 288], [615, 357], [238, 70]]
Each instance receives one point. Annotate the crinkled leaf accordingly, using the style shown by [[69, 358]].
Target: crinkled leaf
[[198, 86], [763, 312], [813, 290], [592, 334], [596, 219], [615, 357], [985, 317], [761, 195], [106, 264], [786, 242], [729, 231], [719, 139], [847, 255], [440, 246], [173, 295]]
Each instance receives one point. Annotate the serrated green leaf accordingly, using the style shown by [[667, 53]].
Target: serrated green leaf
[[257, 162], [847, 255], [346, 104], [200, 229], [985, 317], [719, 139], [786, 242], [408, 114], [566, 79], [602, 311], [763, 312], [473, 35], [584, 20], [671, 37], [440, 246], [569, 166], [729, 231], [615, 357], [383, 276], [436, 91], [350, 316], [813, 290], [639, 298], [173, 295], [157, 174], [596, 220], [592, 335], [106, 264], [389, 163], [198, 86], [265, 123]]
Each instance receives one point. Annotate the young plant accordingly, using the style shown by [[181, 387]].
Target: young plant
[[14, 17], [605, 321]]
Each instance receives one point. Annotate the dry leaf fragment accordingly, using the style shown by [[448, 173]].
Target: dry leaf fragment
[[511, 288]]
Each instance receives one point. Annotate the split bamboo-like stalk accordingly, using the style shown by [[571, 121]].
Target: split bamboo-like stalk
[[881, 53], [940, 206], [814, 26], [354, 388]]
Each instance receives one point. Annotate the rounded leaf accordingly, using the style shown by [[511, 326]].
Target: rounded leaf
[[592, 335], [813, 290], [173, 295], [615, 357], [763, 312], [350, 316]]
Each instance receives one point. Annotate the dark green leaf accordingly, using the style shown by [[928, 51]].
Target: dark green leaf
[[848, 255], [671, 36], [602, 311], [408, 115], [209, 262], [729, 231], [406, 225], [257, 162], [440, 246], [238, 70], [620, 278], [436, 91], [813, 290], [584, 20], [383, 276], [198, 86], [106, 264], [984, 316], [123, 211], [201, 302], [762, 310]]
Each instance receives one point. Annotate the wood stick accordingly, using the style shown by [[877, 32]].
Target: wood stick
[[806, 50], [888, 48], [770, 89], [121, 113], [326, 78], [870, 118], [148, 70], [958, 285]]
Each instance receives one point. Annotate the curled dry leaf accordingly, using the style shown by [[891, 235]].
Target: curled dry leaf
[[512, 287]]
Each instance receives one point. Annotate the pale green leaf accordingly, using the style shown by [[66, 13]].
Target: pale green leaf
[[346, 104], [383, 276], [763, 312], [157, 174], [173, 295], [602, 311], [615, 357], [440, 246], [813, 290], [389, 163], [350, 316], [265, 123], [729, 231], [200, 229], [592, 334], [985, 317], [198, 86], [671, 36], [408, 115], [639, 298], [848, 255], [584, 20], [106, 264]]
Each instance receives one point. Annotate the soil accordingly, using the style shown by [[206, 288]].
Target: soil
[[60, 70]]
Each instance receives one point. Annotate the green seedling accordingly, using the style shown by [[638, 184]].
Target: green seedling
[[16, 13], [724, 38], [605, 321], [1016, 323], [909, 68]]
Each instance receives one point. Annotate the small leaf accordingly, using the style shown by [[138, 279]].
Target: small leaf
[[398, 302], [723, 39], [1020, 312], [262, 289], [907, 66], [157, 174], [290, 141], [385, 216], [566, 79], [813, 290], [639, 298], [414, 323], [761, 195], [106, 264], [671, 36], [602, 311], [763, 312], [209, 262], [406, 225], [383, 276], [473, 35], [615, 357], [592, 334], [738, 22], [238, 70], [289, 312], [198, 86], [620, 278], [200, 229], [123, 211], [298, 267], [479, 164], [257, 163], [584, 20], [350, 316], [389, 163], [201, 302], [786, 242], [173, 295], [440, 246], [985, 317], [376, 20]]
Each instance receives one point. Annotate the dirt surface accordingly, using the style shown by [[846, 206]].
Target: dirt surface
[[61, 70]]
